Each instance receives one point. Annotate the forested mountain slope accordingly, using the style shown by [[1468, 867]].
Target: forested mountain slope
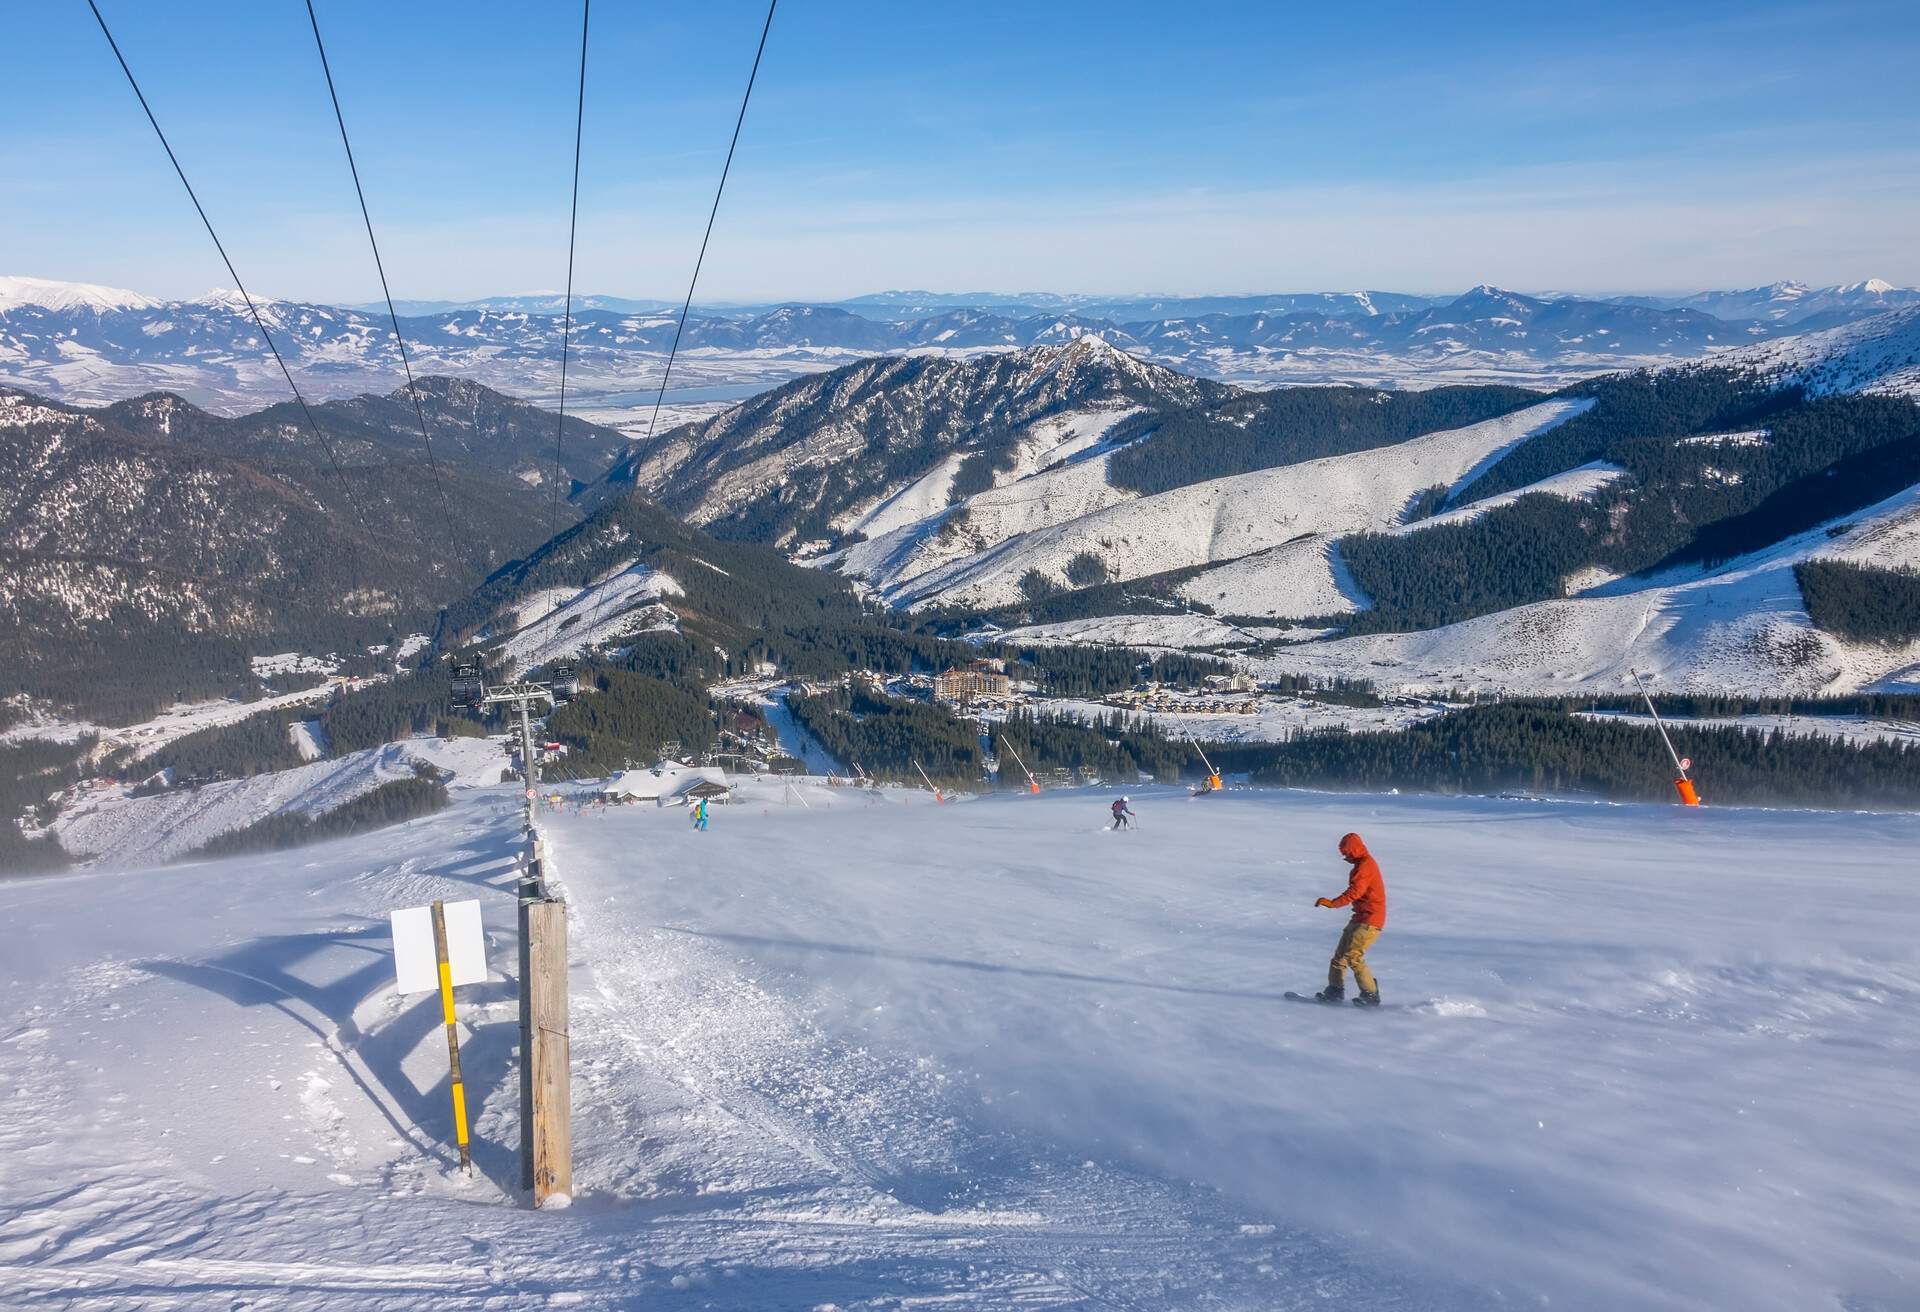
[[149, 544], [633, 568], [807, 459]]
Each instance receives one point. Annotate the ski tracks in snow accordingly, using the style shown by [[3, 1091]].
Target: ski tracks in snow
[[817, 1150]]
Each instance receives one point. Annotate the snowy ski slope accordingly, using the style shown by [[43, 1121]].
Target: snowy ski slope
[[1219, 519], [560, 623], [1307, 577], [111, 825], [988, 1056], [1740, 627]]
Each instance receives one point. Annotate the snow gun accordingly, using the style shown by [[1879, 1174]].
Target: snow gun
[[1689, 795], [1033, 785], [1213, 776], [929, 783]]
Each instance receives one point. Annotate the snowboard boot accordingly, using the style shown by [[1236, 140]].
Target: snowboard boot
[[1367, 999], [1331, 995]]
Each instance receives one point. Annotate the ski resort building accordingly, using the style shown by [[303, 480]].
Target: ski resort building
[[667, 784], [983, 678]]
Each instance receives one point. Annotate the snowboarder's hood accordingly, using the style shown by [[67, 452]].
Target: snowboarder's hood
[[1353, 848]]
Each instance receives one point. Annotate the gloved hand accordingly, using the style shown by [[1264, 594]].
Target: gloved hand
[[1322, 902]]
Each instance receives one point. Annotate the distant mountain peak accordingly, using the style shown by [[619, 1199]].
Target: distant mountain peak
[[1486, 291], [1092, 343], [51, 294]]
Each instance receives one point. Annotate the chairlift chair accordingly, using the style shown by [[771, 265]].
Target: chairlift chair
[[468, 687]]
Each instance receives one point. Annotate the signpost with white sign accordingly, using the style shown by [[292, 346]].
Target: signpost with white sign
[[441, 947]]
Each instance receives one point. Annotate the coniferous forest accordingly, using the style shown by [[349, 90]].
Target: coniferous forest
[[1535, 748], [1863, 603], [886, 736], [390, 803]]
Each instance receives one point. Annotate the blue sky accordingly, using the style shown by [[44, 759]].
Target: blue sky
[[982, 145]]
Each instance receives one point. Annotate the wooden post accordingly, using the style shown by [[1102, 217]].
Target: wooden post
[[453, 1033], [526, 1041], [546, 1062]]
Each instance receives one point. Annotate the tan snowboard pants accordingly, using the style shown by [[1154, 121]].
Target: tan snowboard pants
[[1352, 955]]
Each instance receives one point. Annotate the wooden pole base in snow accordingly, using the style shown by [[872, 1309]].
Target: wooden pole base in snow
[[547, 1110]]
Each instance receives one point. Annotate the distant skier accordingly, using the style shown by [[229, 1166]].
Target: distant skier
[[700, 815], [1367, 894], [1121, 815]]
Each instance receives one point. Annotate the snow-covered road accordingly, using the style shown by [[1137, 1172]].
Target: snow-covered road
[[988, 1055]]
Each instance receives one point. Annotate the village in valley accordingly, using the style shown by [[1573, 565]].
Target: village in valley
[[761, 738]]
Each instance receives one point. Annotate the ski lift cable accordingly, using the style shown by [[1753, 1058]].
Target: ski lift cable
[[413, 391], [726, 168], [712, 214], [573, 227], [252, 309]]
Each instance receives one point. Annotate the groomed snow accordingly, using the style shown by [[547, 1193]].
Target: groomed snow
[[988, 1056]]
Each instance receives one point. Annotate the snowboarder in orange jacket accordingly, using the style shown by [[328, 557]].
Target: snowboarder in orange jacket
[[1367, 895]]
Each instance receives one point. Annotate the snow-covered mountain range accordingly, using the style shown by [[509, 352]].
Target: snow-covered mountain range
[[1105, 511], [1794, 303], [1069, 492], [90, 344]]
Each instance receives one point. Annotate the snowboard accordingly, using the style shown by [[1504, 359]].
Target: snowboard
[[1310, 1000]]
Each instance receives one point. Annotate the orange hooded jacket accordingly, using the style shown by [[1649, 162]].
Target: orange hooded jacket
[[1366, 890]]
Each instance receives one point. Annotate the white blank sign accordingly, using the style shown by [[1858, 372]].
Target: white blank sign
[[415, 964]]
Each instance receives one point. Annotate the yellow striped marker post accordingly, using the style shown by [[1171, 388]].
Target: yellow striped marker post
[[453, 1033]]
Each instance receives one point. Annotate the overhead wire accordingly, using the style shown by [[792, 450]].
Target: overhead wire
[[254, 310], [566, 322], [573, 228], [406, 362], [700, 259], [719, 191]]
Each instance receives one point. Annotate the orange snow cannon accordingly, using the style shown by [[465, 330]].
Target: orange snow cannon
[[1033, 785], [1689, 795]]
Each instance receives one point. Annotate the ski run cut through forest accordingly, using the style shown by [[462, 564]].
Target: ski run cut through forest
[[850, 1049]]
